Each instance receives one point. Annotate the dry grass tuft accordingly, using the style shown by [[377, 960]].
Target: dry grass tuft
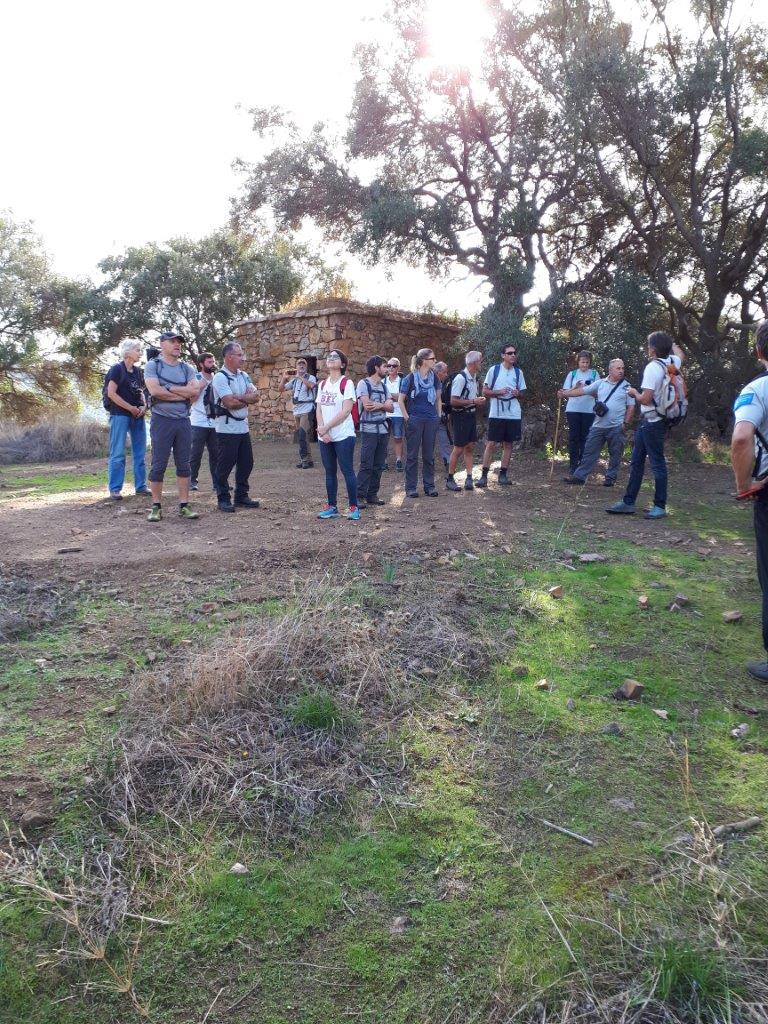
[[56, 438], [27, 604]]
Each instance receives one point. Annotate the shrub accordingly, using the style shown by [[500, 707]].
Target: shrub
[[53, 439]]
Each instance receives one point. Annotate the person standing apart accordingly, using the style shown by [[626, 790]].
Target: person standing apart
[[172, 389], [124, 398], [302, 386], [336, 434], [420, 405], [651, 434], [579, 409], [203, 425], [374, 398], [464, 405], [749, 458], [444, 439], [233, 393], [395, 419], [504, 384]]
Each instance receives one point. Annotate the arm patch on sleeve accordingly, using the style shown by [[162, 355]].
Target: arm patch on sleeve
[[742, 400]]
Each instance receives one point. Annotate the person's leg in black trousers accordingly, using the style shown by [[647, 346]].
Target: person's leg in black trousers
[[212, 443], [199, 438], [379, 458], [574, 438], [228, 446], [365, 473], [761, 542], [243, 468]]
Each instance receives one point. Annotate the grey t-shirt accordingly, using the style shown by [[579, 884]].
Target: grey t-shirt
[[226, 383], [373, 422], [617, 403], [181, 373], [302, 396]]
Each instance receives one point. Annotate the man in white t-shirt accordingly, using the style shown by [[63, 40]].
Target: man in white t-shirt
[[465, 402], [303, 388], [505, 385], [749, 458], [203, 427], [650, 435], [234, 394]]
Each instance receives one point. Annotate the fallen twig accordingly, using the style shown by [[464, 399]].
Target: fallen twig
[[567, 832], [737, 826]]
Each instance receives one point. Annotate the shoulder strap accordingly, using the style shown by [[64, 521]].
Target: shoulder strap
[[496, 370], [573, 377], [614, 388], [517, 378]]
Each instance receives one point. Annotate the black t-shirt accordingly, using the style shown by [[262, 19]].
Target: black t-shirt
[[130, 387]]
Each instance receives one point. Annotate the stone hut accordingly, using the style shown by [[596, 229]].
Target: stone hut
[[272, 343]]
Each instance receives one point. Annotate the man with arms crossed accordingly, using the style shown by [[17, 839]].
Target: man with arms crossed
[[234, 393]]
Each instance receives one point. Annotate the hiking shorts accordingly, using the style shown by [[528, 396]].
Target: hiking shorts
[[463, 428], [504, 431], [397, 426], [170, 434]]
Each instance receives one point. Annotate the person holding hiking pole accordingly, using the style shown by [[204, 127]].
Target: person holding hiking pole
[[579, 409]]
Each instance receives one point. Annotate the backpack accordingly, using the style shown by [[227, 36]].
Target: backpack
[[412, 390], [214, 403], [209, 401], [164, 380], [104, 393], [446, 396], [355, 405], [672, 403]]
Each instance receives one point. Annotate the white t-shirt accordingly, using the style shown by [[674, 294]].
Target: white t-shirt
[[752, 407], [227, 383], [197, 414], [585, 403], [393, 387], [464, 385], [505, 408], [330, 401], [302, 397], [654, 376]]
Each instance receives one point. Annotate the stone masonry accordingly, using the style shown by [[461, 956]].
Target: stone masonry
[[272, 343]]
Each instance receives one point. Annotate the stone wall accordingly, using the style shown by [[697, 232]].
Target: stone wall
[[273, 343]]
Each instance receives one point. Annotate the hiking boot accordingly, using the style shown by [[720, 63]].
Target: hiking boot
[[144, 492], [362, 503], [451, 485], [115, 495], [374, 501], [399, 466], [305, 464], [186, 512], [654, 512], [573, 480], [246, 503], [329, 512], [354, 512], [469, 484], [411, 494], [155, 515], [621, 509], [504, 479], [432, 494], [482, 482], [385, 468], [226, 506], [758, 670], [193, 486], [608, 483]]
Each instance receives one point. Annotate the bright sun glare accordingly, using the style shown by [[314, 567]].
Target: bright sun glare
[[457, 31]]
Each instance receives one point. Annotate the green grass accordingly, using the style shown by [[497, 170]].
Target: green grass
[[40, 485], [498, 909]]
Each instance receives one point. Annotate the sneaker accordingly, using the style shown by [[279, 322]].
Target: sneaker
[[432, 494], [469, 484], [329, 512], [574, 480], [504, 480], [226, 506], [654, 512], [145, 492], [193, 486], [758, 670], [115, 495], [399, 466], [354, 512], [411, 494], [186, 512], [374, 501], [608, 483], [451, 485], [385, 468], [246, 503], [482, 482], [155, 515], [621, 509]]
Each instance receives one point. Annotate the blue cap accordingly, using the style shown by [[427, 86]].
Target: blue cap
[[170, 335]]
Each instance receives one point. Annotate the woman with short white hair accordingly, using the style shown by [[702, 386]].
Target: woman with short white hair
[[124, 399]]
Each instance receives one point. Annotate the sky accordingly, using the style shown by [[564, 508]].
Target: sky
[[120, 123]]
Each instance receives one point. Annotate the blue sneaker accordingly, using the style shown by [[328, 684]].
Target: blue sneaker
[[621, 509], [329, 512], [654, 512], [354, 512]]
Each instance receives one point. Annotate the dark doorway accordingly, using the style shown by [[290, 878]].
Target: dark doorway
[[312, 370]]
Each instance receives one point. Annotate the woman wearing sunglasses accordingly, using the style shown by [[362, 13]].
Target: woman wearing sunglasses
[[336, 434], [395, 418], [420, 406]]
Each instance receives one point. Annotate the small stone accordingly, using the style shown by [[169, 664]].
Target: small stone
[[151, 656], [592, 557], [656, 585], [682, 600], [453, 553], [543, 684], [238, 869], [400, 924], [664, 715], [570, 704], [556, 592], [109, 711], [613, 729], [630, 689], [34, 818], [471, 557], [644, 602], [622, 803], [208, 606], [732, 616], [41, 662], [519, 671], [570, 554], [740, 731]]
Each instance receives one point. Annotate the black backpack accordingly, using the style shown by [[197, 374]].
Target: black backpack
[[213, 406], [445, 393], [209, 401]]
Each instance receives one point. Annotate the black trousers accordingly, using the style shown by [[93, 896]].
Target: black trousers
[[202, 438], [373, 455], [235, 451], [761, 541], [578, 428]]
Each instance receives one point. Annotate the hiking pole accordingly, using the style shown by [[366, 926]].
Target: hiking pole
[[557, 432]]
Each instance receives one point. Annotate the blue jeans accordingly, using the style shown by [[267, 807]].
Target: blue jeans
[[339, 455], [119, 428], [649, 441]]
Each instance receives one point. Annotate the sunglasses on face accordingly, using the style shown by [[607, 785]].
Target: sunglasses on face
[[511, 352]]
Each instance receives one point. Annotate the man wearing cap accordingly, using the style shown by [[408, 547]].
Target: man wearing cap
[[465, 402], [234, 393], [172, 388], [303, 387]]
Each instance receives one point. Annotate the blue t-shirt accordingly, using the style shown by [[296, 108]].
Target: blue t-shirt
[[421, 395]]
